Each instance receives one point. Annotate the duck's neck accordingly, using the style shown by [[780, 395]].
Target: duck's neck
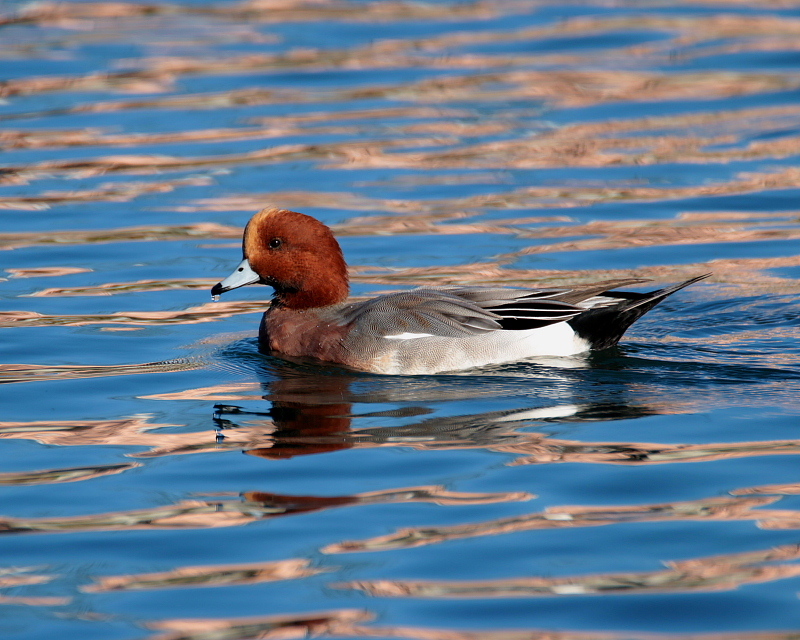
[[309, 299], [323, 290]]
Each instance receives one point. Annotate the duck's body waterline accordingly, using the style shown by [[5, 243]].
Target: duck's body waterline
[[425, 330]]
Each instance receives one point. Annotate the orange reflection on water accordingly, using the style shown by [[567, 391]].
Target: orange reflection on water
[[21, 139], [749, 275], [567, 88], [539, 449], [36, 601], [19, 576], [45, 272], [716, 573], [37, 373], [200, 231], [71, 13], [148, 164], [216, 393], [135, 431], [271, 127], [277, 627], [112, 288], [716, 508], [561, 85], [16, 577], [694, 138], [427, 633], [685, 138], [122, 192], [123, 431], [208, 576], [790, 489], [209, 312], [252, 506], [72, 474]]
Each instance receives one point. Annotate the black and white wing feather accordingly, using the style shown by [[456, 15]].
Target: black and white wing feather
[[459, 312]]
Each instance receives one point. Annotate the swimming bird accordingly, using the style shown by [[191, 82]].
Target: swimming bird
[[424, 330]]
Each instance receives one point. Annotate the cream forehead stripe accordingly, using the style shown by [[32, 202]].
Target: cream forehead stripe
[[251, 239]]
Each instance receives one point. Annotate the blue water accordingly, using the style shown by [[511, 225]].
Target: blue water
[[163, 480]]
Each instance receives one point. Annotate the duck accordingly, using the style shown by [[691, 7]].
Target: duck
[[427, 330]]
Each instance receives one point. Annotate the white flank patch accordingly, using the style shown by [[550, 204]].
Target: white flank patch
[[408, 336], [563, 411], [569, 589]]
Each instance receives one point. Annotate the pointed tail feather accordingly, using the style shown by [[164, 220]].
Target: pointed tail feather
[[603, 326]]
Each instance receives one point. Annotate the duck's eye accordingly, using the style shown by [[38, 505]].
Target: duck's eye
[[275, 243]]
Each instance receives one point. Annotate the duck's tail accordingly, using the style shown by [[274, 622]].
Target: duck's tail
[[603, 325]]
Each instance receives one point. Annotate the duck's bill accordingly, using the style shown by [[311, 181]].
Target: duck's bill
[[241, 276]]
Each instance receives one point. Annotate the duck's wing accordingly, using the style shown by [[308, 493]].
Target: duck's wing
[[521, 309], [459, 311]]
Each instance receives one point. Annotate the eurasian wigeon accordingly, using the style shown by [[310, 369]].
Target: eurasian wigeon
[[424, 330]]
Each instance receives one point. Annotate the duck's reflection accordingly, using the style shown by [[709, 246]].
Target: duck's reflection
[[315, 409], [308, 414], [294, 409]]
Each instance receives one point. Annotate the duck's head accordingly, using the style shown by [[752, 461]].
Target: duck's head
[[295, 254]]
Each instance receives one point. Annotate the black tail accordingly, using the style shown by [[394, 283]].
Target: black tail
[[604, 326]]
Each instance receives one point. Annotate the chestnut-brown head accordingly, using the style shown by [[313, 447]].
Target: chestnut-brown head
[[295, 254]]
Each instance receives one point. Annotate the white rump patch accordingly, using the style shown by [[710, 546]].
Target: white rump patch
[[408, 336]]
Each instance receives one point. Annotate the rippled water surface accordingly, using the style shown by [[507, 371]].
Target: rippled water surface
[[162, 480]]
